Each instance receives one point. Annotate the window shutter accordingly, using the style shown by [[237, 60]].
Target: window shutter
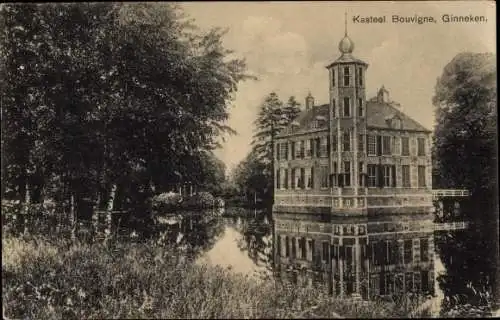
[[380, 176], [393, 168], [312, 177], [318, 147], [379, 145], [311, 143]]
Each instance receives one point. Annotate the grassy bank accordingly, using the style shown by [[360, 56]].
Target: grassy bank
[[45, 279]]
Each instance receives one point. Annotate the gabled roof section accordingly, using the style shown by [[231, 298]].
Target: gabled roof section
[[303, 122], [377, 114]]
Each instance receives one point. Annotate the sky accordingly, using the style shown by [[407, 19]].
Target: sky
[[287, 45]]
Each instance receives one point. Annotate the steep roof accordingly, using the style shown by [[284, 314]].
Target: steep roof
[[377, 114]]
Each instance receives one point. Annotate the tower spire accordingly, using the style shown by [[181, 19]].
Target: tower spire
[[345, 21]]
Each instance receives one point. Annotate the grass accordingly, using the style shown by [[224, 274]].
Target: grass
[[46, 279]]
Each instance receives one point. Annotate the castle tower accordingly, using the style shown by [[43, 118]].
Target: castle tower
[[347, 120]]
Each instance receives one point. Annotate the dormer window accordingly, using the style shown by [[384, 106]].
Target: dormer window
[[396, 123]]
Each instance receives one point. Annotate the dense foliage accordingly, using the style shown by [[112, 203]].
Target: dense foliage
[[103, 96], [465, 155]]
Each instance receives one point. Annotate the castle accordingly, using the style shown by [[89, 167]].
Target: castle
[[353, 191]]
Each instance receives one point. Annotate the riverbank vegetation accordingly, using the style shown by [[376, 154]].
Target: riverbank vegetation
[[45, 278]]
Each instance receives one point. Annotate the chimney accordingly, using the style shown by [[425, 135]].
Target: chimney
[[383, 95], [309, 101]]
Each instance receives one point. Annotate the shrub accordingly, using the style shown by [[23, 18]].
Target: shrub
[[166, 201], [200, 200]]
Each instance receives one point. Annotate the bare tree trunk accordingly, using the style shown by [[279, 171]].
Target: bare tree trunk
[[27, 200], [72, 220], [109, 210], [95, 213]]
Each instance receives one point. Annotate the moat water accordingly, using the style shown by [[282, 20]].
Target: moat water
[[242, 240]]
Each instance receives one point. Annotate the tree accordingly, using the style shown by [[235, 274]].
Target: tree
[[273, 116], [466, 157], [107, 100]]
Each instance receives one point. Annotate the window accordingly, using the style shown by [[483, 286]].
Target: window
[[347, 107], [386, 145], [347, 173], [307, 147], [396, 123], [390, 253], [324, 176], [298, 147], [421, 146], [372, 175], [361, 143], [396, 146], [409, 285], [408, 254], [294, 248], [388, 176], [424, 249], [302, 152], [389, 283], [334, 143], [293, 150], [285, 182], [346, 141], [317, 147], [360, 107], [294, 177], [277, 151], [284, 151], [360, 76], [333, 77], [360, 174], [372, 145], [334, 109], [325, 256], [425, 280], [310, 178], [406, 176], [302, 177], [278, 179], [421, 176], [324, 146], [312, 145], [347, 76], [333, 177], [405, 146], [302, 248], [310, 251]]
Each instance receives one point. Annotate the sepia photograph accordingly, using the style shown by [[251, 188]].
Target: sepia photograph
[[249, 160]]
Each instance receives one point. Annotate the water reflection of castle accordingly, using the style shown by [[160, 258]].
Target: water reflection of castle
[[353, 202]]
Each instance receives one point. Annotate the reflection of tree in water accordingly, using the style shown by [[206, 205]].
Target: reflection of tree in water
[[256, 231], [196, 232], [466, 265]]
